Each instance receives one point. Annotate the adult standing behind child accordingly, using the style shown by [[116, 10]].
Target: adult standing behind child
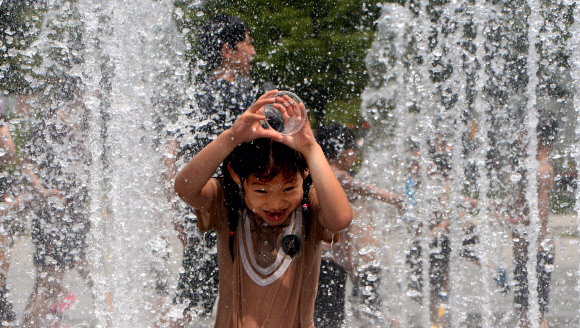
[[269, 222], [226, 46]]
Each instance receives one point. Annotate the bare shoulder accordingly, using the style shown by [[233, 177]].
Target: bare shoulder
[[208, 214], [313, 201]]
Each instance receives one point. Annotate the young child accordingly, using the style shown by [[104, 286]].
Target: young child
[[269, 222]]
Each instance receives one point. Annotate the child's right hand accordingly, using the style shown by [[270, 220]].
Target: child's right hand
[[248, 127]]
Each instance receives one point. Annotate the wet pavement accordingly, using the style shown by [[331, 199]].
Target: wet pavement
[[564, 297], [470, 299]]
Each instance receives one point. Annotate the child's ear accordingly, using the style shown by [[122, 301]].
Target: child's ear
[[234, 175], [305, 174]]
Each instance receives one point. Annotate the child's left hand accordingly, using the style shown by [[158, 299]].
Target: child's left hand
[[248, 126], [302, 140]]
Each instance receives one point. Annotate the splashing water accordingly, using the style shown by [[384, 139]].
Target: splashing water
[[125, 61], [456, 92], [458, 95], [134, 70]]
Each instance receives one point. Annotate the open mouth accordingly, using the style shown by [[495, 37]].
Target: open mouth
[[275, 215]]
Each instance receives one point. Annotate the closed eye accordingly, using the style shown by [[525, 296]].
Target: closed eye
[[289, 188]]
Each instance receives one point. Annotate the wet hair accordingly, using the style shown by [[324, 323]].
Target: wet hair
[[334, 139], [547, 130], [264, 159], [216, 32]]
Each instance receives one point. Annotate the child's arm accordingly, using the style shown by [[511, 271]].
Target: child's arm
[[336, 213], [355, 188], [191, 183]]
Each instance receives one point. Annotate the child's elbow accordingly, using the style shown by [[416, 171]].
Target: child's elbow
[[181, 188], [343, 221], [348, 219]]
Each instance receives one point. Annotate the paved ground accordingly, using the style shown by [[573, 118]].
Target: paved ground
[[564, 308], [21, 280], [564, 298]]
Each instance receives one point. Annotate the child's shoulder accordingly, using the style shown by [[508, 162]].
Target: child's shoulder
[[316, 229], [313, 202], [211, 216]]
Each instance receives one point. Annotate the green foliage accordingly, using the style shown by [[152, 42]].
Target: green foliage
[[562, 203], [315, 48], [20, 21], [62, 51]]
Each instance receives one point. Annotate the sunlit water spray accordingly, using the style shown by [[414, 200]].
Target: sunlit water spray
[[131, 70], [460, 87], [138, 58], [450, 81]]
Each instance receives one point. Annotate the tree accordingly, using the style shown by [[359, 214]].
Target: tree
[[20, 21], [315, 48], [61, 50]]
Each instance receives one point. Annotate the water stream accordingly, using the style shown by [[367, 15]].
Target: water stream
[[456, 91], [460, 87]]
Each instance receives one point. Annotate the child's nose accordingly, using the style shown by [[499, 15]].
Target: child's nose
[[276, 203]]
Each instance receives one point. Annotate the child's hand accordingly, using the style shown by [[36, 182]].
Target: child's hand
[[302, 140], [247, 127]]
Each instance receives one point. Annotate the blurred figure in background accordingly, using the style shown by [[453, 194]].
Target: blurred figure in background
[[519, 219], [57, 167], [226, 46], [434, 228], [358, 241]]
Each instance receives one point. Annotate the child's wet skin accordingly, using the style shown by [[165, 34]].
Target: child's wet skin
[[273, 201]]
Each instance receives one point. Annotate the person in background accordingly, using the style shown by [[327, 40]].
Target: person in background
[[57, 164], [226, 46], [338, 262], [432, 227], [7, 155], [518, 212]]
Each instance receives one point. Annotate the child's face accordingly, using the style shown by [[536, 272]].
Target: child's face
[[274, 200]]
